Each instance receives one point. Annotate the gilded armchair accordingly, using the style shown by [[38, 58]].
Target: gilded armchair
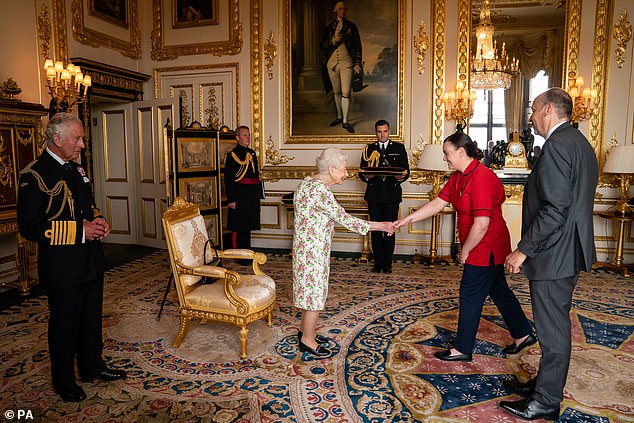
[[234, 298]]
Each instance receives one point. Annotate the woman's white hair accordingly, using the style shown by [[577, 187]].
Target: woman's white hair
[[330, 157]]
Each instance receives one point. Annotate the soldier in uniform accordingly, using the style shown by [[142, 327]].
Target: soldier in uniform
[[242, 185], [383, 193], [56, 210]]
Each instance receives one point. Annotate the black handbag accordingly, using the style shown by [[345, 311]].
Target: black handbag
[[215, 260]]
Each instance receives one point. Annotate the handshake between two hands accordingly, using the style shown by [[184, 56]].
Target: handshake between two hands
[[391, 227]]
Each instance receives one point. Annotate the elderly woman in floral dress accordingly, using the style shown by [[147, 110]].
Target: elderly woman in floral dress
[[316, 212]]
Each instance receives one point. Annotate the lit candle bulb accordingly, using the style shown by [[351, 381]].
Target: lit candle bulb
[[87, 83]]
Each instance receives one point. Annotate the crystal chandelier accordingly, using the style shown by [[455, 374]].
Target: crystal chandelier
[[490, 69]]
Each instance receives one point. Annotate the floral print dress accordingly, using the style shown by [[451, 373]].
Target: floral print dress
[[316, 212]]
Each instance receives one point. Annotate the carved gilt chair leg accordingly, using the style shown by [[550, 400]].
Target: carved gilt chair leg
[[182, 330], [244, 336]]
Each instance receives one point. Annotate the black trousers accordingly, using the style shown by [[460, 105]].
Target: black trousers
[[241, 240], [382, 243], [476, 284], [74, 332]]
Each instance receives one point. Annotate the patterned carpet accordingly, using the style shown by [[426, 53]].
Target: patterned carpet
[[384, 330]]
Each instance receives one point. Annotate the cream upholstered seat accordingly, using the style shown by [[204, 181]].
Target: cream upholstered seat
[[233, 298]]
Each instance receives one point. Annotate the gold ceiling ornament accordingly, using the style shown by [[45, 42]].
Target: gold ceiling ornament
[[421, 44], [273, 156], [44, 30], [490, 69], [622, 33], [270, 51]]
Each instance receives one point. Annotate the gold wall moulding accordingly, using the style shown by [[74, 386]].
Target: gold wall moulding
[[421, 44], [91, 37], [622, 33], [44, 30], [270, 51], [58, 13], [273, 156], [232, 46]]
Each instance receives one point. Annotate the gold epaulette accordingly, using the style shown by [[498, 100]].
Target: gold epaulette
[[62, 232], [97, 213]]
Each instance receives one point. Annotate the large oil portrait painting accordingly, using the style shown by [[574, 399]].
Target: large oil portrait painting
[[344, 71], [114, 11]]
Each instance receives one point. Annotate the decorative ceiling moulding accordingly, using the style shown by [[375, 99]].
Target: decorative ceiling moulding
[[161, 50], [113, 24], [111, 81]]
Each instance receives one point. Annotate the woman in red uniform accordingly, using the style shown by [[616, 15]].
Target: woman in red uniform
[[477, 194]]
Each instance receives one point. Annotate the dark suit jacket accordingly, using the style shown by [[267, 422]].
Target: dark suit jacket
[[384, 189], [350, 37], [46, 216], [557, 228]]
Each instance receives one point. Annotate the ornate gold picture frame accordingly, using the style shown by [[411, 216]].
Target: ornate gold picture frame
[[101, 37], [192, 13]]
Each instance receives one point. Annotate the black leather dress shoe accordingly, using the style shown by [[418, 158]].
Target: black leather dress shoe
[[530, 409], [445, 355], [347, 127], [336, 122], [107, 375], [318, 338], [376, 269], [320, 351], [524, 389], [72, 394], [514, 349]]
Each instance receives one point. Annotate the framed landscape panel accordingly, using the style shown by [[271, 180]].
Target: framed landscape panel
[[200, 191], [196, 154]]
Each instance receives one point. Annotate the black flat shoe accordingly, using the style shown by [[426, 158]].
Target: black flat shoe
[[445, 355], [318, 338], [514, 349], [347, 127], [320, 351], [72, 394], [524, 389], [387, 270], [107, 375], [530, 409], [336, 122]]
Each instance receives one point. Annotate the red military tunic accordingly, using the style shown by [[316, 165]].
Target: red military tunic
[[479, 192]]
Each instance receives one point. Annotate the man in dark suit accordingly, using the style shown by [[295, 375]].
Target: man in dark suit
[[56, 210], [383, 193], [557, 243]]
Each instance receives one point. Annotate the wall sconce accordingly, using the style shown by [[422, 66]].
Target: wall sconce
[[620, 161], [67, 86], [459, 104], [582, 100]]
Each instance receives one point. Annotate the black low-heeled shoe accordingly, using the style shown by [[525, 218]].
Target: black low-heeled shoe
[[320, 351], [445, 355], [318, 338], [514, 349]]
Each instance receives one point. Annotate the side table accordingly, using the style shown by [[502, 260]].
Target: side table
[[622, 221]]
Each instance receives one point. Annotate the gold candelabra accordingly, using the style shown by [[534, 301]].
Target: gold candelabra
[[583, 100], [459, 104], [66, 85]]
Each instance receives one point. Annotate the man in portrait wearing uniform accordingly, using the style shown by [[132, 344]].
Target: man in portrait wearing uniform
[[56, 210], [342, 61], [243, 188], [383, 192]]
